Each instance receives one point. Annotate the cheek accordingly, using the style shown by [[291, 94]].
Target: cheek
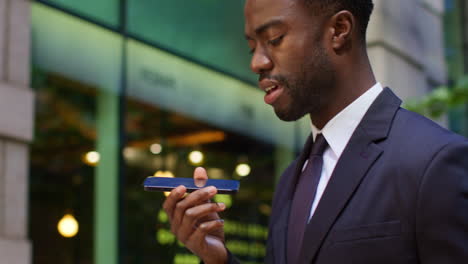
[[289, 64], [300, 50], [289, 59]]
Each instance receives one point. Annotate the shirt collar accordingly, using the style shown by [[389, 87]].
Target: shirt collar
[[341, 127]]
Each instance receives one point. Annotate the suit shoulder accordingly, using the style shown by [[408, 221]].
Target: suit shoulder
[[413, 127], [414, 141]]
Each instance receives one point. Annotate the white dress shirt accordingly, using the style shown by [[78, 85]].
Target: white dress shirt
[[337, 132]]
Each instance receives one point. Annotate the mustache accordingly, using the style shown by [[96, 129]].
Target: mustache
[[278, 78]]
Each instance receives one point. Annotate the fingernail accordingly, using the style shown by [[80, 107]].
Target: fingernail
[[211, 190], [203, 226], [180, 189], [221, 221], [200, 182], [222, 206]]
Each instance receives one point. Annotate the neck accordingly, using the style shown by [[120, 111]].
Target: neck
[[352, 80]]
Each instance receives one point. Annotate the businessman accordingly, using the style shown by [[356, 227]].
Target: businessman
[[374, 183]]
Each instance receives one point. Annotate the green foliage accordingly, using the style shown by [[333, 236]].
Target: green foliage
[[441, 100]]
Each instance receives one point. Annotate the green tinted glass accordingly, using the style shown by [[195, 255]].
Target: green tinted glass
[[208, 31], [105, 11]]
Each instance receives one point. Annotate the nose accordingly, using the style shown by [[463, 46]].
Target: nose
[[260, 62]]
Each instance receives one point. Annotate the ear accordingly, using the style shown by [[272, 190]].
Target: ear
[[342, 27]]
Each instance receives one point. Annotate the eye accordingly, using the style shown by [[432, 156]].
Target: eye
[[276, 41], [251, 44]]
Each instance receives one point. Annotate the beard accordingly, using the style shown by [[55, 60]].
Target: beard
[[309, 89]]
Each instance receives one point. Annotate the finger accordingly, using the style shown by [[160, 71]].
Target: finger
[[195, 215], [174, 197], [206, 228], [200, 177], [196, 198]]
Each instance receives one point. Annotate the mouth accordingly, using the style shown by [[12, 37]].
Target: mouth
[[273, 92], [271, 88]]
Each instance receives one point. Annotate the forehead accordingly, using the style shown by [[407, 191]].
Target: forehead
[[258, 12]]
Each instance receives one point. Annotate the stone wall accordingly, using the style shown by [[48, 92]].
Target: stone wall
[[405, 43], [16, 129]]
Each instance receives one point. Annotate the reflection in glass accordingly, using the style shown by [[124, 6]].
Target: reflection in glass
[[60, 181], [209, 32], [103, 11]]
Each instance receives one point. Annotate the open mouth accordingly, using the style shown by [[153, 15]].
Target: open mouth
[[271, 89], [273, 92]]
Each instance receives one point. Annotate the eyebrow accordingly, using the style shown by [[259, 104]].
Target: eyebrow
[[262, 28]]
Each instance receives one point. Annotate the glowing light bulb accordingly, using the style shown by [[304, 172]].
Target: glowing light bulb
[[196, 157], [156, 148], [165, 174], [130, 153], [92, 158], [243, 169], [68, 226]]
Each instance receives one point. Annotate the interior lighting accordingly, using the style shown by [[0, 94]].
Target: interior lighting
[[162, 216], [165, 174], [243, 169], [264, 209], [224, 198], [92, 158], [165, 237], [196, 157], [186, 259], [130, 153], [156, 148], [68, 226], [215, 173]]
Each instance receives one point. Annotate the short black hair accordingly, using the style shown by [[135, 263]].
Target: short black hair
[[361, 9]]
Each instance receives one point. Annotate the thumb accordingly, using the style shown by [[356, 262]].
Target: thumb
[[200, 177]]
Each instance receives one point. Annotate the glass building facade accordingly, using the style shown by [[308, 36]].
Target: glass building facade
[[130, 89]]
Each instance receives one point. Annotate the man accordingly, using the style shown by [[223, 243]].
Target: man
[[384, 186]]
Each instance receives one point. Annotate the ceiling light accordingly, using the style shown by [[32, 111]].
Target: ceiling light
[[243, 169], [68, 226], [92, 158], [196, 157], [156, 148]]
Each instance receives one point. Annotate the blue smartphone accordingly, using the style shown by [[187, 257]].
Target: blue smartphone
[[162, 184]]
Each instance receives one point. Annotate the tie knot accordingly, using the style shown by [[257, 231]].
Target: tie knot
[[320, 144]]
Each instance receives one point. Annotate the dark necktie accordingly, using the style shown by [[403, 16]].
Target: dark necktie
[[304, 195]]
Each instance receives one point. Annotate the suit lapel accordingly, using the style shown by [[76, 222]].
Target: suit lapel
[[358, 156]]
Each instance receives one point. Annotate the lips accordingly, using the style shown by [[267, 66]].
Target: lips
[[272, 89]]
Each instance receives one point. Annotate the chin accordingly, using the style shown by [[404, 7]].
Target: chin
[[288, 115]]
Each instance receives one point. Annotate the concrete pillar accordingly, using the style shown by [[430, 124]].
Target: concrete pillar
[[16, 129], [405, 43]]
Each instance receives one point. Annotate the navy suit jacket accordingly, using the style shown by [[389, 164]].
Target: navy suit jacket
[[398, 194]]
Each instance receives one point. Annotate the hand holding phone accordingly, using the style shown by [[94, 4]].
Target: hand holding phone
[[194, 220]]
